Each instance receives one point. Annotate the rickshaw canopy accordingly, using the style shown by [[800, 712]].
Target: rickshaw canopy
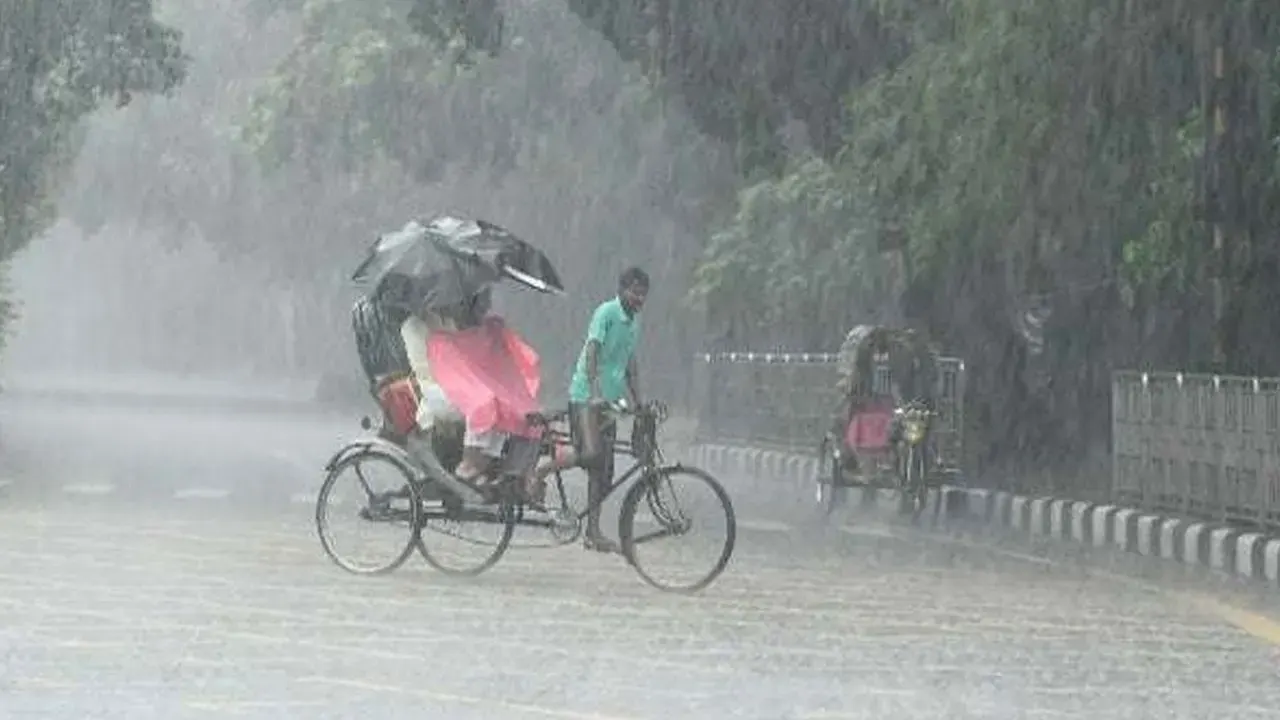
[[906, 354]]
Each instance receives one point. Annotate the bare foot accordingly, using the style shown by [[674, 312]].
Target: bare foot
[[473, 465]]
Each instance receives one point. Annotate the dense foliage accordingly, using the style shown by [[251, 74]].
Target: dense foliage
[[553, 137], [308, 126], [1038, 185], [59, 60], [1048, 170]]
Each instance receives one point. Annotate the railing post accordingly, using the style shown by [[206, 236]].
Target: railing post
[[701, 398]]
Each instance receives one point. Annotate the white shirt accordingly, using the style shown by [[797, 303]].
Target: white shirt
[[433, 404]]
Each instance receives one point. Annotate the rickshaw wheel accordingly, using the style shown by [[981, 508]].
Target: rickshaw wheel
[[830, 477], [913, 493]]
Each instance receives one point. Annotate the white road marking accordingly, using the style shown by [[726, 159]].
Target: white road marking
[[303, 468], [303, 498], [423, 693], [201, 494], [764, 526], [89, 488], [867, 531]]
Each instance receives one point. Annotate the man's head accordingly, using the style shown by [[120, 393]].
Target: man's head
[[633, 289]]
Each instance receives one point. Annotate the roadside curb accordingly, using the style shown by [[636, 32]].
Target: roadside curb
[[1226, 549]]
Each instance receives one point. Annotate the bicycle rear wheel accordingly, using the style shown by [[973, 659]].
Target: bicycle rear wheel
[[465, 540], [829, 480], [379, 498], [914, 494], [654, 510]]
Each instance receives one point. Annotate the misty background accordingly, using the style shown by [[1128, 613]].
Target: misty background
[[1051, 192], [201, 233]]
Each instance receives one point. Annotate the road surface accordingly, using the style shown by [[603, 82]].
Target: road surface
[[213, 607], [150, 454], [183, 613]]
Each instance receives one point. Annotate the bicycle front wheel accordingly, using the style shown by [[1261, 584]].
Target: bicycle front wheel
[[658, 511]]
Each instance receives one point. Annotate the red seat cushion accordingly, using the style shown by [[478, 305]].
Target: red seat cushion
[[870, 427], [400, 402]]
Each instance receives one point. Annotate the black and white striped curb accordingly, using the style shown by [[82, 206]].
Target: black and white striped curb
[[783, 484], [1231, 550], [1192, 542]]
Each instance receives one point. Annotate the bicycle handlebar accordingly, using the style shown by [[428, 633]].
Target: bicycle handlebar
[[619, 408], [653, 408]]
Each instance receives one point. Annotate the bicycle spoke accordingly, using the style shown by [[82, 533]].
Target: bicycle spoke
[[364, 482], [650, 537]]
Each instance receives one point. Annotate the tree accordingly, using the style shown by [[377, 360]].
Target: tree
[[797, 247], [749, 71], [61, 60], [309, 126], [171, 163], [554, 138], [1045, 164]]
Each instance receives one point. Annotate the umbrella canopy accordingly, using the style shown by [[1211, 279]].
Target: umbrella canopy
[[449, 260], [498, 248]]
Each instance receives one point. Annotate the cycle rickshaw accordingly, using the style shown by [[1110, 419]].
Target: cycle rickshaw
[[424, 504], [885, 430]]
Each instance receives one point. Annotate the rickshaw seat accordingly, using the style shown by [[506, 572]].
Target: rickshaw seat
[[399, 402], [870, 426]]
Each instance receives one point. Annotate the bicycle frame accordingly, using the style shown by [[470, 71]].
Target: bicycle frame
[[644, 462], [415, 468], [647, 460]]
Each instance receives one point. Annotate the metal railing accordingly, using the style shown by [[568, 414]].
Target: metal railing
[[786, 401], [1203, 446], [1198, 445]]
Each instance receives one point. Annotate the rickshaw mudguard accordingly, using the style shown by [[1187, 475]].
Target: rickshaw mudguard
[[401, 457], [365, 445]]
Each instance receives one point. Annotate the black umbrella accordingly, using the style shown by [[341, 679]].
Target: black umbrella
[[498, 248], [448, 261]]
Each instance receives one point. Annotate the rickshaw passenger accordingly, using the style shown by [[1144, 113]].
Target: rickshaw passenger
[[479, 450]]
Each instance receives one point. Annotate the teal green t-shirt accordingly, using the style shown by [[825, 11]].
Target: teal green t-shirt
[[617, 334]]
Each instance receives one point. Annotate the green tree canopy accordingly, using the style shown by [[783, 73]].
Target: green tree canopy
[[61, 59], [1045, 165]]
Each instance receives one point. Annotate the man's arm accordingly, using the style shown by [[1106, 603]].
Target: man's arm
[[596, 332], [593, 368], [633, 380]]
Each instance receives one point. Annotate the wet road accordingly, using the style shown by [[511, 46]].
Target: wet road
[[150, 454], [179, 613], [211, 607]]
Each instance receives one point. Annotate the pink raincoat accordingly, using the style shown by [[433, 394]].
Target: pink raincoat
[[490, 374]]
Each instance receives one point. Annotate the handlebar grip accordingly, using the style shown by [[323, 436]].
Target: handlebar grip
[[620, 407]]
